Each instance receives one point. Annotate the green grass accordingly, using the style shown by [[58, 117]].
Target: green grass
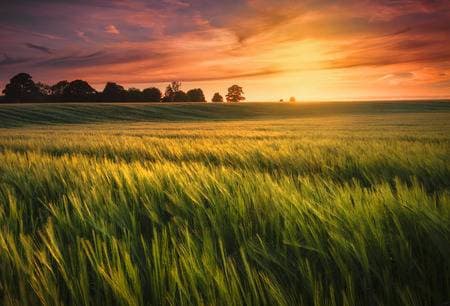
[[16, 115], [253, 204]]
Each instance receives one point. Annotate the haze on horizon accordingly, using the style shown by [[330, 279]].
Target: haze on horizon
[[313, 49]]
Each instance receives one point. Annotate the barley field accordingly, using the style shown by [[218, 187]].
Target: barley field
[[252, 204]]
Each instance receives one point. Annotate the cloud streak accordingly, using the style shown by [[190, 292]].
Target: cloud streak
[[7, 60], [39, 48]]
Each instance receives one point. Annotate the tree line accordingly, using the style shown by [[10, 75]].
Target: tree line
[[22, 88]]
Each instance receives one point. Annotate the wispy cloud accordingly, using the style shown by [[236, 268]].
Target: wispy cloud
[[82, 35], [29, 32], [73, 60], [7, 60], [39, 48]]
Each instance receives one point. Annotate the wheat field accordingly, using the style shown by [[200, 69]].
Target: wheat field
[[254, 204]]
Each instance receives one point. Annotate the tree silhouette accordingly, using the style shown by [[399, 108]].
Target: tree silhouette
[[176, 86], [21, 88], [152, 94], [79, 91], [45, 91], [292, 99], [179, 96], [114, 92], [134, 95], [168, 95], [235, 94], [195, 95], [217, 98], [59, 88], [171, 93]]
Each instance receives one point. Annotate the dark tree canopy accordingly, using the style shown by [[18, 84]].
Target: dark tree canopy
[[114, 92], [151, 94], [168, 95], [217, 98], [195, 95], [173, 94], [134, 95], [235, 94], [180, 96], [176, 86], [45, 91], [79, 91], [21, 88], [59, 88]]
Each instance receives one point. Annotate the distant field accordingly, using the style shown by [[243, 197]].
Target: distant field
[[202, 204], [13, 115]]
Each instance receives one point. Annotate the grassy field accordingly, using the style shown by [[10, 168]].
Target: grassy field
[[252, 204]]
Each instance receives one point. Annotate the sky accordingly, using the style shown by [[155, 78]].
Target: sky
[[274, 49]]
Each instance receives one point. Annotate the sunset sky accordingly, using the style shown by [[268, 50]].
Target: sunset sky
[[313, 49]]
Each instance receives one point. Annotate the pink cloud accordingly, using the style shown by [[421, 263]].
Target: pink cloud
[[111, 29]]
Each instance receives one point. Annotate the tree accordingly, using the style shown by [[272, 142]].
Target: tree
[[21, 88], [79, 91], [217, 98], [171, 91], [114, 92], [168, 95], [45, 91], [59, 88], [151, 94], [235, 94], [292, 99], [175, 85], [134, 95], [180, 96], [195, 95]]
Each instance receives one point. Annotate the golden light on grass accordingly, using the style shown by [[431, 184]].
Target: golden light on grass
[[261, 210]]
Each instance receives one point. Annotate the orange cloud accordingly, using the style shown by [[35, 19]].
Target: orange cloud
[[111, 29]]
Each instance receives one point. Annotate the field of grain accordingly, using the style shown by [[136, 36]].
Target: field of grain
[[252, 204]]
